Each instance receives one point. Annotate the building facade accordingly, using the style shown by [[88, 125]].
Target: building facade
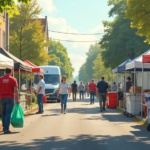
[[3, 30]]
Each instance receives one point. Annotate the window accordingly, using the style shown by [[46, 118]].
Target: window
[[3, 39]]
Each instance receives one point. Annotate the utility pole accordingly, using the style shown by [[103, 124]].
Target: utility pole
[[7, 32]]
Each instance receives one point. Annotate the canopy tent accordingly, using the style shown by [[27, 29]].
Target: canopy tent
[[121, 68], [34, 67], [18, 64], [146, 58], [137, 63], [5, 62]]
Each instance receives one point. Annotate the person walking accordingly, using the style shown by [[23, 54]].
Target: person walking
[[74, 90], [40, 91], [8, 87], [92, 89], [63, 91], [114, 87], [102, 91], [81, 90], [86, 89]]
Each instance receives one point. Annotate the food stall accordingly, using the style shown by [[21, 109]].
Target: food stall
[[115, 96], [133, 98], [4, 63], [19, 66]]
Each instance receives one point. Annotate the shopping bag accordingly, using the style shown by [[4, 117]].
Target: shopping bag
[[17, 118]]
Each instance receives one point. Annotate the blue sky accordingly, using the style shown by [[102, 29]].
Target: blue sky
[[75, 16]]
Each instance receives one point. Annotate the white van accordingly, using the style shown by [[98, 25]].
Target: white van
[[52, 77]]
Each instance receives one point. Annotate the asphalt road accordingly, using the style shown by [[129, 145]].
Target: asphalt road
[[84, 127]]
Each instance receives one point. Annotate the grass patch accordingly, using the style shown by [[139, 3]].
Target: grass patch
[[136, 119], [33, 105]]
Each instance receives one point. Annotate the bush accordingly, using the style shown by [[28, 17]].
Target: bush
[[34, 98]]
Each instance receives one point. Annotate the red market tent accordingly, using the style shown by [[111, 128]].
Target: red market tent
[[146, 58], [34, 67]]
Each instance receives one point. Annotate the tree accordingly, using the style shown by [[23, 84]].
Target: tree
[[10, 6], [139, 12], [120, 41], [60, 58], [100, 70], [82, 75], [27, 36], [94, 50]]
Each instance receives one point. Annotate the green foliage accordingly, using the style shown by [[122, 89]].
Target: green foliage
[[60, 58], [82, 75], [34, 98], [120, 41], [27, 36], [100, 70], [94, 50], [10, 6], [139, 12]]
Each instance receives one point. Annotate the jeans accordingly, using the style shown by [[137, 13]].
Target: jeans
[[7, 105], [92, 93], [82, 93], [102, 98], [74, 95], [40, 102], [63, 99]]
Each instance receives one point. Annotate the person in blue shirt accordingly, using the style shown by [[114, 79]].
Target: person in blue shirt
[[102, 91], [114, 87]]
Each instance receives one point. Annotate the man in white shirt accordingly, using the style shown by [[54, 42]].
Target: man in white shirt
[[40, 91]]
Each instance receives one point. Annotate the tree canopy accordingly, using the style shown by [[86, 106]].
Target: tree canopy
[[27, 36], [60, 58], [10, 6], [100, 70], [139, 12], [82, 75], [92, 53], [120, 41]]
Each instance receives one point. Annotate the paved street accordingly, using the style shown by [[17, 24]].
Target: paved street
[[82, 128]]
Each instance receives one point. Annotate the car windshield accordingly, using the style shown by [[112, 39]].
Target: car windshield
[[51, 79]]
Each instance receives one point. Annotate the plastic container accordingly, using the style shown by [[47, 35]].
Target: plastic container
[[145, 107], [133, 103], [106, 104], [112, 97], [44, 99]]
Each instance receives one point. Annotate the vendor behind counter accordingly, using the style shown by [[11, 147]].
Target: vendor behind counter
[[128, 84]]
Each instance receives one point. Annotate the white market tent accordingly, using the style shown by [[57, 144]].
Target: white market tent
[[136, 64], [5, 62]]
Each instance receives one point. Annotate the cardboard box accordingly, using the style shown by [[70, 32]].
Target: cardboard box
[[136, 90], [137, 87], [121, 103]]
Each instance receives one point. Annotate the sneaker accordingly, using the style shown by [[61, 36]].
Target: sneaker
[[91, 103], [37, 112], [7, 131]]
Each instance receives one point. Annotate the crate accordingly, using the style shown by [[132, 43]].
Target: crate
[[121, 103]]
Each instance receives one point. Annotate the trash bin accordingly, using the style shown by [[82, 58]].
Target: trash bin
[[112, 97]]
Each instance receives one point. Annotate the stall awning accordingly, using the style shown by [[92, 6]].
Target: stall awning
[[146, 58], [18, 64], [121, 68], [6, 62], [137, 63], [34, 67]]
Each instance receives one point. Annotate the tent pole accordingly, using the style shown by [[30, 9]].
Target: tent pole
[[125, 89], [19, 84], [31, 90], [134, 89], [142, 91], [111, 80], [26, 91]]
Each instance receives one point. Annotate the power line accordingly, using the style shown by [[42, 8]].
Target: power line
[[75, 41], [75, 33]]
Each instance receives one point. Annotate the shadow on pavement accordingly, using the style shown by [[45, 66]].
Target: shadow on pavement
[[83, 142]]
